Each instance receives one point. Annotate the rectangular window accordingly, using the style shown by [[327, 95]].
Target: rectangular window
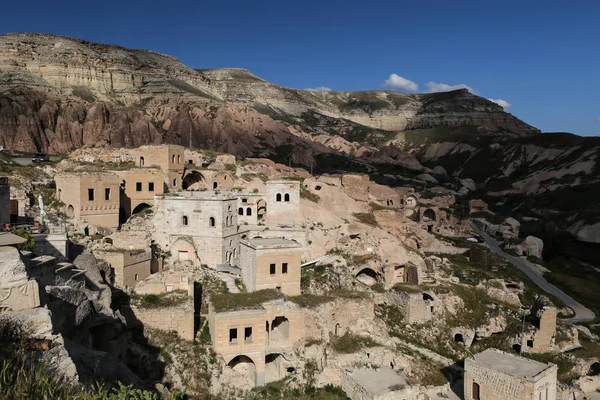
[[107, 194], [233, 335], [248, 334], [284, 267], [244, 200], [138, 186], [273, 268], [90, 194], [151, 186]]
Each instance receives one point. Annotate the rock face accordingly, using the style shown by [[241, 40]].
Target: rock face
[[59, 93]]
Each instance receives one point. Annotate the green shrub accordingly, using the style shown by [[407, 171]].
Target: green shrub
[[308, 195], [28, 245]]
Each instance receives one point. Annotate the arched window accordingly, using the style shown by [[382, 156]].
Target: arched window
[[241, 211], [278, 197], [211, 222], [248, 211], [178, 159], [175, 182], [215, 185], [141, 161], [287, 197], [185, 220], [173, 159]]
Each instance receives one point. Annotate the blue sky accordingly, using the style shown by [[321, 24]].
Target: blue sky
[[541, 56]]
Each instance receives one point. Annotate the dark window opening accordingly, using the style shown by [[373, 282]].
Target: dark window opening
[[90, 194], [107, 194], [185, 220], [244, 200], [530, 343], [215, 185], [211, 222], [151, 186], [248, 211], [284, 268], [248, 334], [272, 269], [138, 186], [278, 197], [233, 335], [240, 211], [286, 197]]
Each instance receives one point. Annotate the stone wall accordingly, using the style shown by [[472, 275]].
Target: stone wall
[[356, 186], [56, 245], [283, 202], [178, 319], [101, 212], [339, 316], [141, 185], [129, 268], [417, 307]]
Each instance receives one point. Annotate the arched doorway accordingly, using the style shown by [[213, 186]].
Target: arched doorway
[[245, 366], [476, 392], [458, 338], [141, 161], [70, 211], [193, 181], [594, 369], [429, 215], [262, 209], [367, 276], [140, 207]]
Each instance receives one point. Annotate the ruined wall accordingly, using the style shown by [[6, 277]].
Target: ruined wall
[[4, 201], [280, 211], [417, 307], [339, 316], [178, 319], [129, 268], [356, 186], [56, 245], [141, 184], [545, 315]]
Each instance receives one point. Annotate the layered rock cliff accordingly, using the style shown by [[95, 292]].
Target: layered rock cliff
[[59, 93]]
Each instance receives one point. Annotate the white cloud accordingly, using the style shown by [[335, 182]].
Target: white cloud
[[320, 89], [433, 87], [395, 81], [503, 103]]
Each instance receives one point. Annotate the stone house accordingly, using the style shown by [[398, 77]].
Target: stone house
[[256, 341], [283, 202], [200, 227], [496, 375], [4, 201], [91, 200], [207, 180], [271, 264], [168, 157], [128, 267], [251, 208], [417, 307], [138, 188]]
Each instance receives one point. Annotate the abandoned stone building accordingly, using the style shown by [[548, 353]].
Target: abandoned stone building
[[271, 264], [496, 375], [540, 337], [168, 157], [128, 267], [283, 202], [138, 188], [257, 341], [4, 201], [408, 273], [200, 227], [251, 208], [91, 199], [416, 306], [430, 218], [207, 180]]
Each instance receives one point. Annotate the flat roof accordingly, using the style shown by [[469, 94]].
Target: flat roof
[[510, 364], [272, 243], [378, 381], [9, 239]]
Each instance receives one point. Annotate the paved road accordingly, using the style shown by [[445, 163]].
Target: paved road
[[581, 313]]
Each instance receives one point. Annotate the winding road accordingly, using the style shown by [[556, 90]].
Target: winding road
[[581, 312]]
